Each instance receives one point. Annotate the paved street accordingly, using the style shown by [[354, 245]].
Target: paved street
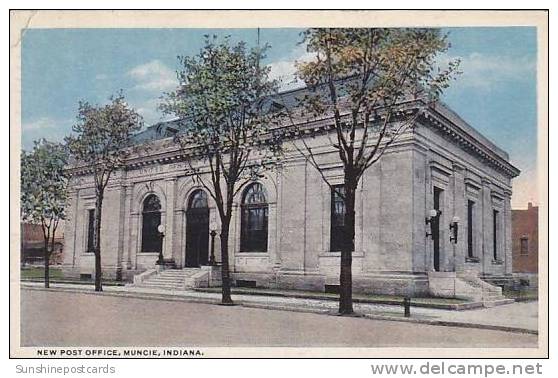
[[76, 319]]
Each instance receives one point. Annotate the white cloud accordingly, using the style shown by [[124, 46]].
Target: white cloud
[[484, 72], [153, 76], [284, 70], [53, 130], [43, 123], [148, 108]]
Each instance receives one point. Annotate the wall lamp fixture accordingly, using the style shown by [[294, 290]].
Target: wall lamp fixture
[[454, 227], [432, 214]]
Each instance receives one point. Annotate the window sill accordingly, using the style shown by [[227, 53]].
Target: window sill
[[497, 262], [472, 259], [251, 253], [338, 254]]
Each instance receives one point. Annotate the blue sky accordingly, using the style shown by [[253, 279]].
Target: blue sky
[[496, 93]]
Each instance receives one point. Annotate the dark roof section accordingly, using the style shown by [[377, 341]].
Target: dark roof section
[[160, 130], [167, 129], [290, 99]]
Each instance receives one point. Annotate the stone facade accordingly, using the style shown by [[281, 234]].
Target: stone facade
[[393, 253]]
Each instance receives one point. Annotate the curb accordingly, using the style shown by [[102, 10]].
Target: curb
[[174, 298], [439, 306], [447, 323]]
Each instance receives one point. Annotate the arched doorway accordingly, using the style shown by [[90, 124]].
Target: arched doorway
[[197, 230]]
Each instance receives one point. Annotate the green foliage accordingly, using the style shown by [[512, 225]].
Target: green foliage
[[374, 83], [102, 142], [43, 183], [362, 77], [223, 100], [103, 135]]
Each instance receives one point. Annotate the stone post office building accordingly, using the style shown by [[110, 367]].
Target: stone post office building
[[283, 232]]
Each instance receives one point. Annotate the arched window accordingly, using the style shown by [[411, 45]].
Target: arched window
[[151, 240], [253, 236], [198, 200]]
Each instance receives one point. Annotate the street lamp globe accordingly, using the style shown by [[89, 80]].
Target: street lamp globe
[[213, 225]]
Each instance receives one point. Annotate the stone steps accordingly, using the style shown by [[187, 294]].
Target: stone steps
[[176, 279], [466, 285]]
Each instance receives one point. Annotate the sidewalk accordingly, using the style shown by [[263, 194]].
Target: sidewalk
[[516, 317]]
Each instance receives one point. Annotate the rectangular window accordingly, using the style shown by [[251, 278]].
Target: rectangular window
[[495, 233], [524, 245], [90, 230], [470, 217], [337, 232], [254, 228]]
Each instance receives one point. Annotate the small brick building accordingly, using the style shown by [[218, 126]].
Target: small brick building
[[33, 248], [525, 239]]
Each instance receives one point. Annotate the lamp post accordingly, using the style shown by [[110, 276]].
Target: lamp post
[[213, 233], [161, 229]]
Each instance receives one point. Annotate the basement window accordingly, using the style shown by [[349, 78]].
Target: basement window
[[332, 289], [245, 283]]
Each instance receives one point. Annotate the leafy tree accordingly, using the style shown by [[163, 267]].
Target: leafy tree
[[43, 191], [223, 102], [101, 143], [374, 83]]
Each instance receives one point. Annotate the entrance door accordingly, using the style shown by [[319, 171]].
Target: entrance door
[[197, 230], [436, 229]]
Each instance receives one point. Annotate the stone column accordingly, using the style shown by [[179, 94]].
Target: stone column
[[271, 233], [169, 226], [127, 251], [70, 231], [487, 253], [276, 262], [134, 245], [507, 230], [178, 249], [459, 210], [234, 236]]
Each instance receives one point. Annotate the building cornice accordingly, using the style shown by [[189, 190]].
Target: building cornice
[[468, 142], [438, 117]]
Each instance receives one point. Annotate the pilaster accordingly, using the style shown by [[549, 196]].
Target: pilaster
[[486, 226], [170, 189], [459, 210], [507, 228], [126, 245]]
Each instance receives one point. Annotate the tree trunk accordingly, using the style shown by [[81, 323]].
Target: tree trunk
[[97, 242], [225, 274], [346, 274], [47, 264]]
